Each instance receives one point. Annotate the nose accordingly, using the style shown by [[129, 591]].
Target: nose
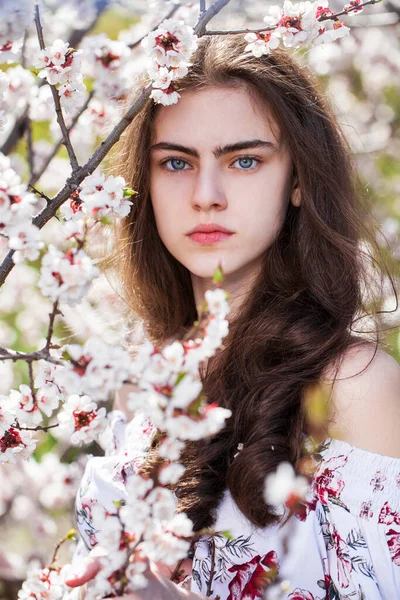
[[208, 193]]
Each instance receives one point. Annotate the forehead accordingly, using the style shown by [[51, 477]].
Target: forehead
[[214, 116]]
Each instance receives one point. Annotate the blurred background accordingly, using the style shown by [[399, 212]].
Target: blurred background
[[361, 77]]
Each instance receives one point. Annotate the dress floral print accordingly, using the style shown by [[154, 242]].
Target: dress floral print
[[345, 546]]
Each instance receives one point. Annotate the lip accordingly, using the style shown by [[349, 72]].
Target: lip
[[209, 228], [209, 233]]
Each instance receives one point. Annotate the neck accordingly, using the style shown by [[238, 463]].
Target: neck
[[237, 284]]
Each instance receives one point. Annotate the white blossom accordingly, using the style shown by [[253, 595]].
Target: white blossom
[[66, 276], [260, 44], [81, 418], [171, 449], [135, 575], [15, 443], [24, 405], [7, 415], [24, 238], [42, 584], [284, 484], [171, 44], [15, 18], [171, 473], [58, 63]]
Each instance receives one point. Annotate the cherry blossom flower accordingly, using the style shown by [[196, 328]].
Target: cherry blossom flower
[[42, 584], [135, 575], [295, 23], [72, 95], [15, 443], [161, 545], [19, 88], [96, 368], [171, 473], [171, 44], [16, 209], [171, 449], [169, 49], [58, 63], [217, 302], [66, 276], [261, 43], [106, 62], [25, 239], [99, 197], [284, 486], [24, 405], [180, 525], [298, 24], [15, 18], [7, 415], [82, 419]]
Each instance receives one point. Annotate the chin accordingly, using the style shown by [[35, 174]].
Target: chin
[[205, 266]]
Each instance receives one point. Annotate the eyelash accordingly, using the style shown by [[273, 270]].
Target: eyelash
[[163, 163]]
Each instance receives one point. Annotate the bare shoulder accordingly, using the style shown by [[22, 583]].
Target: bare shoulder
[[365, 400]]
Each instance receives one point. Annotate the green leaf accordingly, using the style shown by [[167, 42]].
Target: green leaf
[[218, 276], [129, 192]]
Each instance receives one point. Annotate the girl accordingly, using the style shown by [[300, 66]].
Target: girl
[[251, 171]]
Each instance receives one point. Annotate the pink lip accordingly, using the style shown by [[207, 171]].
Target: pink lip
[[209, 233], [206, 239]]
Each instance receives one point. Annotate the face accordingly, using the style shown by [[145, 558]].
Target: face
[[216, 161]]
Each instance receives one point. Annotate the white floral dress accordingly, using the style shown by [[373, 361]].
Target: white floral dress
[[346, 547]]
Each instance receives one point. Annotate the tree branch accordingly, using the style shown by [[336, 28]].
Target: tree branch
[[6, 354], [52, 316], [206, 17], [56, 98], [261, 29], [38, 427], [36, 176], [78, 176]]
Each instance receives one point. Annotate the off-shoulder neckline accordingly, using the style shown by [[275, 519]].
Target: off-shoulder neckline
[[335, 443]]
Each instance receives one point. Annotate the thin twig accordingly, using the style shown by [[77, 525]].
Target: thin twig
[[15, 355], [38, 427], [31, 380], [206, 17], [29, 138], [78, 176], [36, 176], [234, 31], [271, 28], [56, 98], [60, 543], [346, 12], [168, 16], [39, 193], [52, 316]]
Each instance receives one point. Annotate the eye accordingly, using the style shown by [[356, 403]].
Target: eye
[[247, 162], [176, 163]]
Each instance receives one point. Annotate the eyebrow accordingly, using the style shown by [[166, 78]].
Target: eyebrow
[[219, 150]]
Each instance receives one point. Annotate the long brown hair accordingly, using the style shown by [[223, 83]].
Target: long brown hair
[[299, 316]]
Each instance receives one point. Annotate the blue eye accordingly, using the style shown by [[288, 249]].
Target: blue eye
[[247, 162], [179, 163]]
